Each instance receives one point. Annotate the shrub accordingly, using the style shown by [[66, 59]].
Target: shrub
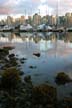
[[44, 95], [62, 78], [10, 78]]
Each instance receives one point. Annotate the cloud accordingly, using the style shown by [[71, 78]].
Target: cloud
[[32, 6]]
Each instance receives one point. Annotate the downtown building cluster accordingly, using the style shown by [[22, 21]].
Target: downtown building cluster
[[36, 19]]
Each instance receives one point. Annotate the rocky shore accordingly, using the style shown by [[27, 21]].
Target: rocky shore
[[15, 93]]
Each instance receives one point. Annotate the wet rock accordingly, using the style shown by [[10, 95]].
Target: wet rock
[[10, 78], [17, 55], [62, 78], [66, 103], [6, 60], [24, 58], [11, 56], [21, 73], [22, 62], [19, 65], [8, 47], [46, 81], [44, 95], [27, 78], [13, 61], [32, 67], [36, 54], [3, 53]]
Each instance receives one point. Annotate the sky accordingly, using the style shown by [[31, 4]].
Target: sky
[[29, 7]]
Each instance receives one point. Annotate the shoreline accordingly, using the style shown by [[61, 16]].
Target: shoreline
[[36, 31]]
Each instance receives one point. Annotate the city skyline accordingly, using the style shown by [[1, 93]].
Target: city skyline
[[17, 8]]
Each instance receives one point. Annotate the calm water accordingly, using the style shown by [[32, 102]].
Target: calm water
[[56, 56]]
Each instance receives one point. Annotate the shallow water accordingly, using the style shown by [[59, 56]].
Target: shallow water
[[56, 56]]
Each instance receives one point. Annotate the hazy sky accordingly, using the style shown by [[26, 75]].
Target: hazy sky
[[28, 7]]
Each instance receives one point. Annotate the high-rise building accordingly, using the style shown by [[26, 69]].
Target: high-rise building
[[68, 19], [45, 19], [9, 20], [22, 19], [17, 21], [68, 14], [30, 20], [36, 19], [53, 20]]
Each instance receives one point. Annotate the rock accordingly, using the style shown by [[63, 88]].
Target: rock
[[32, 67], [27, 78], [22, 62], [11, 56], [3, 53], [19, 65], [21, 73], [36, 54], [8, 47], [66, 103], [62, 78], [24, 58], [44, 94]]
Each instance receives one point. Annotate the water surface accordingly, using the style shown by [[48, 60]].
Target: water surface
[[56, 56]]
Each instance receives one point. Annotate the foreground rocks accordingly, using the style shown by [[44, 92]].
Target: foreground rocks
[[44, 96], [62, 78], [22, 94], [17, 93], [37, 54]]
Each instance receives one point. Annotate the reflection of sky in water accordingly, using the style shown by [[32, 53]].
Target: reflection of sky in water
[[70, 45], [56, 56], [45, 45]]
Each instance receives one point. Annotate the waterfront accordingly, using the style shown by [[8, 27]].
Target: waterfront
[[55, 56]]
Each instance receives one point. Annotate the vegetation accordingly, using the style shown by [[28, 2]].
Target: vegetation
[[44, 96], [17, 93], [62, 78], [10, 78]]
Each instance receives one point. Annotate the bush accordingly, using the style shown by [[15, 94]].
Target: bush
[[10, 78], [62, 78], [3, 53], [44, 95]]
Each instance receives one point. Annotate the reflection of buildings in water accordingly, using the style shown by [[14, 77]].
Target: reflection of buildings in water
[[5, 34], [69, 45], [49, 43], [26, 34], [4, 39], [55, 47], [16, 39], [53, 38], [68, 37], [36, 39], [54, 44]]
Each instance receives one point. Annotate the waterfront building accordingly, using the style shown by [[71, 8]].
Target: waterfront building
[[36, 19], [29, 20], [53, 20], [22, 19], [68, 19], [9, 20]]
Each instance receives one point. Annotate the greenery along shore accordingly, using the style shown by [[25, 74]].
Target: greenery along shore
[[15, 93]]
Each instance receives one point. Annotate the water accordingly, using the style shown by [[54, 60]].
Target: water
[[56, 56]]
